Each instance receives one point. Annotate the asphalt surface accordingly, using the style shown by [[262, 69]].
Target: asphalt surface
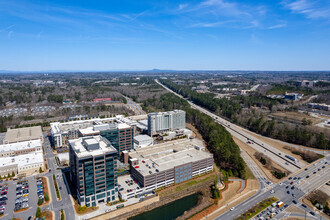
[[135, 107], [302, 186], [242, 134], [281, 191], [55, 206]]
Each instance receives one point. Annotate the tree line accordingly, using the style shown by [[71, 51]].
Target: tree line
[[225, 151], [233, 110]]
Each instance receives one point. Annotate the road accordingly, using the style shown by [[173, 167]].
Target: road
[[65, 202], [135, 107], [244, 135], [280, 190], [55, 206]]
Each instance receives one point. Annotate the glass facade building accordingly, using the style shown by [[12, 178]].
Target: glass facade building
[[93, 170], [121, 137]]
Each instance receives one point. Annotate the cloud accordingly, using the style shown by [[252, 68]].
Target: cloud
[[182, 6], [276, 26], [7, 28], [211, 24], [311, 9], [228, 8], [218, 13], [10, 33], [135, 16]]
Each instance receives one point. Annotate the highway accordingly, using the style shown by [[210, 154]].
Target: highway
[[301, 187], [304, 185], [240, 133]]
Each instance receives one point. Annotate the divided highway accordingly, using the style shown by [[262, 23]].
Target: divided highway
[[242, 134]]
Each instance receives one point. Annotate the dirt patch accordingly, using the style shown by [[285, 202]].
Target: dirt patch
[[252, 185], [295, 116], [47, 214], [230, 192], [21, 210], [231, 199], [196, 133], [205, 212], [250, 151]]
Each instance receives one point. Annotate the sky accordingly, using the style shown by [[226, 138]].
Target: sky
[[112, 35]]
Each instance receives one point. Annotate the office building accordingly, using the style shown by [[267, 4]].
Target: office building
[[143, 141], [120, 135], [22, 158], [161, 122], [93, 170], [62, 132], [165, 164], [23, 134], [292, 96], [305, 83]]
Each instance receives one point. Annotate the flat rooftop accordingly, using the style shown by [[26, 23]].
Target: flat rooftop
[[166, 113], [23, 159], [23, 134], [166, 156], [61, 127], [25, 145], [84, 147], [143, 137]]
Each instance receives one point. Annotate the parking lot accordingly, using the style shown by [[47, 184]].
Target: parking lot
[[20, 195], [3, 198], [129, 188]]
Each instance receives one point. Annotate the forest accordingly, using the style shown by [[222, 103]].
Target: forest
[[219, 142], [233, 110]]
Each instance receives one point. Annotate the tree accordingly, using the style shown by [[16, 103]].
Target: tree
[[38, 213], [40, 170], [62, 214], [39, 201], [124, 100], [46, 197], [13, 174]]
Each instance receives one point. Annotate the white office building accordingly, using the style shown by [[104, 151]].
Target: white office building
[[160, 122]]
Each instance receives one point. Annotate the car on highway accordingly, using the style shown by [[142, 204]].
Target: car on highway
[[323, 167], [294, 201], [232, 208], [287, 187], [290, 178], [307, 177], [291, 183], [292, 187], [312, 213], [288, 192], [303, 205]]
